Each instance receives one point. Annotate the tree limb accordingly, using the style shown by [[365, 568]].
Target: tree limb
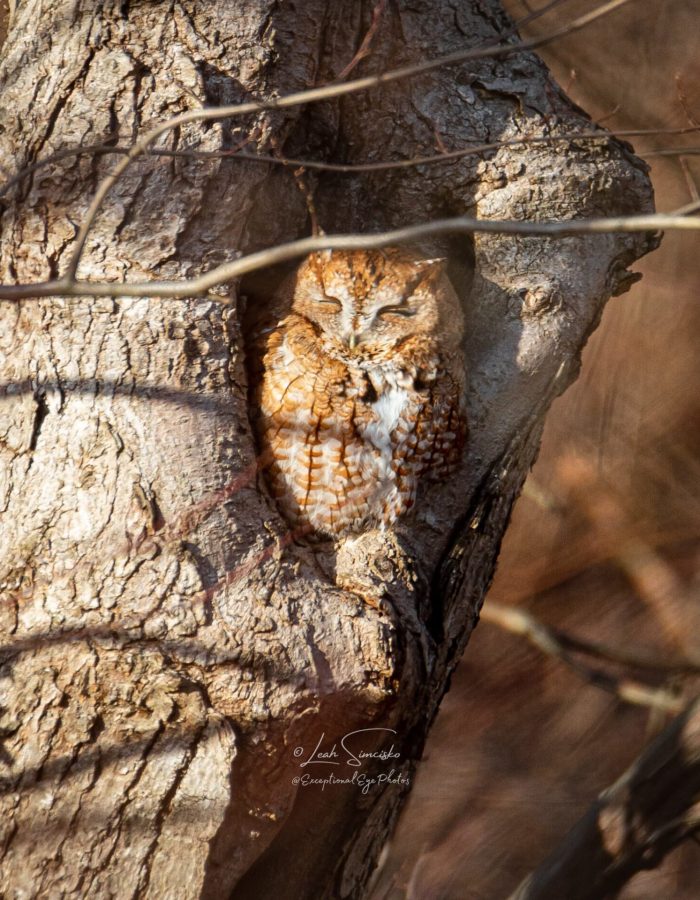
[[106, 149], [547, 640], [68, 287], [314, 96], [651, 809]]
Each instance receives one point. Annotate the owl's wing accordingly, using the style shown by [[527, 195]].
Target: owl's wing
[[309, 427], [441, 423]]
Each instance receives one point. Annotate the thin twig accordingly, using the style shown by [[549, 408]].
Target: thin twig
[[608, 115], [65, 287], [625, 657], [520, 622], [450, 155], [312, 96], [104, 148], [363, 50], [683, 100], [689, 180], [673, 151], [533, 14], [620, 656]]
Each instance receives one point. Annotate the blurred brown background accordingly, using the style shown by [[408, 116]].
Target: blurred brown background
[[604, 543], [4, 18]]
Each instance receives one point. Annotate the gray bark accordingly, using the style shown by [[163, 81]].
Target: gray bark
[[166, 646]]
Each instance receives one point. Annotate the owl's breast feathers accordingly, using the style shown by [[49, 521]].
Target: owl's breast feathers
[[349, 440]]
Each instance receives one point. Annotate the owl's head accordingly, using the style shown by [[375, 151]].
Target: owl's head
[[368, 302]]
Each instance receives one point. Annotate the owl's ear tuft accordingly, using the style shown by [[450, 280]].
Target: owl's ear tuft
[[316, 261]]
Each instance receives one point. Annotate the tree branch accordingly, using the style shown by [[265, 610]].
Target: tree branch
[[105, 149], [651, 809], [66, 287], [520, 622], [314, 95]]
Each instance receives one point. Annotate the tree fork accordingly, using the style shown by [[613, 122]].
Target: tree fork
[[169, 646]]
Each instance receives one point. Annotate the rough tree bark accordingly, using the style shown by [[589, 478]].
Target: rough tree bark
[[167, 646]]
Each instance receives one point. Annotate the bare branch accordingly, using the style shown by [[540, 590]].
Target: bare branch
[[624, 656], [450, 155], [64, 287], [103, 149], [673, 151], [683, 100], [651, 809], [363, 50], [518, 621], [312, 96], [689, 180], [533, 14]]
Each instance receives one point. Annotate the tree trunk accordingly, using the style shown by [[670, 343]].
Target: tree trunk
[[172, 654]]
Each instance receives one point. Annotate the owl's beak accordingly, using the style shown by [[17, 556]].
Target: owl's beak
[[352, 341]]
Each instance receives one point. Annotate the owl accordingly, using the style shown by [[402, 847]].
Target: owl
[[361, 391]]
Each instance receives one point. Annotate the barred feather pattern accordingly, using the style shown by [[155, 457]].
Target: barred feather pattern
[[362, 389]]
